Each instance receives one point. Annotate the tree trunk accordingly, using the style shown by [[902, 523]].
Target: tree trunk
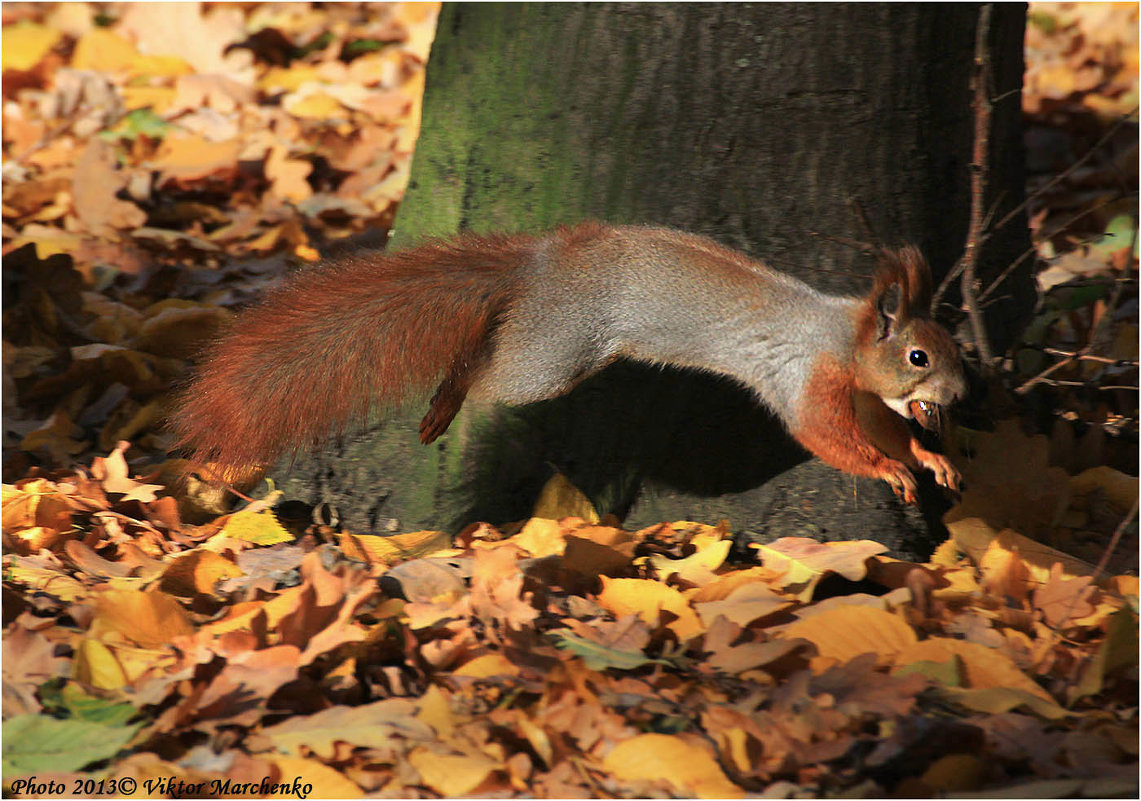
[[768, 127]]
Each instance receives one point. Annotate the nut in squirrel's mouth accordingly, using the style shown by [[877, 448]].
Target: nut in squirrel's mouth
[[927, 413]]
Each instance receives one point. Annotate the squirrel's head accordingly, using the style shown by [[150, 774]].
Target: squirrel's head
[[902, 355]]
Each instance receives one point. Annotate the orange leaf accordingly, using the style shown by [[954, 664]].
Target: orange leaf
[[846, 632], [688, 768]]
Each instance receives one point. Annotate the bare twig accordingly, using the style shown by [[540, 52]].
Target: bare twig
[[1049, 371], [976, 233], [1068, 171], [1089, 357], [1045, 237], [1117, 532]]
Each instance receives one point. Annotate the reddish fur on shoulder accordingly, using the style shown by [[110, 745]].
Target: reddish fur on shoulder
[[829, 427], [341, 338]]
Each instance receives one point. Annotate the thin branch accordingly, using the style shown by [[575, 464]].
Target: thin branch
[[979, 165], [1117, 532], [1068, 171], [1046, 237]]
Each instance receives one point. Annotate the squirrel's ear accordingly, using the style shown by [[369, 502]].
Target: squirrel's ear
[[889, 301], [890, 293]]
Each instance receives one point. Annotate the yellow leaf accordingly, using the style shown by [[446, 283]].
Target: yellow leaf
[[326, 782], [258, 526], [662, 757], [25, 45], [984, 667], [647, 599], [846, 632], [103, 50], [96, 665], [156, 98], [560, 498], [451, 775], [805, 561], [289, 79], [698, 567], [435, 710], [488, 665], [42, 579], [398, 547], [541, 537], [311, 102]]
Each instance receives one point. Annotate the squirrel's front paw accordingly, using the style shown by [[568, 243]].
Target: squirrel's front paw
[[902, 481], [946, 474]]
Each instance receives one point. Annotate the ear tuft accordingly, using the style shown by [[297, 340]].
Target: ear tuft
[[906, 267]]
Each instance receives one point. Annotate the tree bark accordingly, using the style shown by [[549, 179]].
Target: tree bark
[[768, 127]]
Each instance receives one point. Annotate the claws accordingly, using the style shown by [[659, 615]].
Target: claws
[[946, 474], [901, 480]]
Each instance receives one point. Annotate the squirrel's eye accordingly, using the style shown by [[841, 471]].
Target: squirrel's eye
[[918, 358]]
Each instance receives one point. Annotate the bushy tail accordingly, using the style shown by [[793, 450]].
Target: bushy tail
[[340, 339]]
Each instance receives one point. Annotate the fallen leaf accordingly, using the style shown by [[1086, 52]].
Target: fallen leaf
[[648, 599], [381, 724], [661, 757], [451, 775], [845, 632]]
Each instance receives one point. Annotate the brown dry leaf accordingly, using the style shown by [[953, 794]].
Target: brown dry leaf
[[1029, 499], [497, 590], [729, 658], [985, 667], [1062, 600], [687, 768], [745, 604], [845, 632], [648, 599], [94, 193]]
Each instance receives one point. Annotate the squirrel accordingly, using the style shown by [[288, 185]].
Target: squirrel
[[522, 318]]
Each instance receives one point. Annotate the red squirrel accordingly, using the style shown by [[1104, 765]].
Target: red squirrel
[[522, 318]]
